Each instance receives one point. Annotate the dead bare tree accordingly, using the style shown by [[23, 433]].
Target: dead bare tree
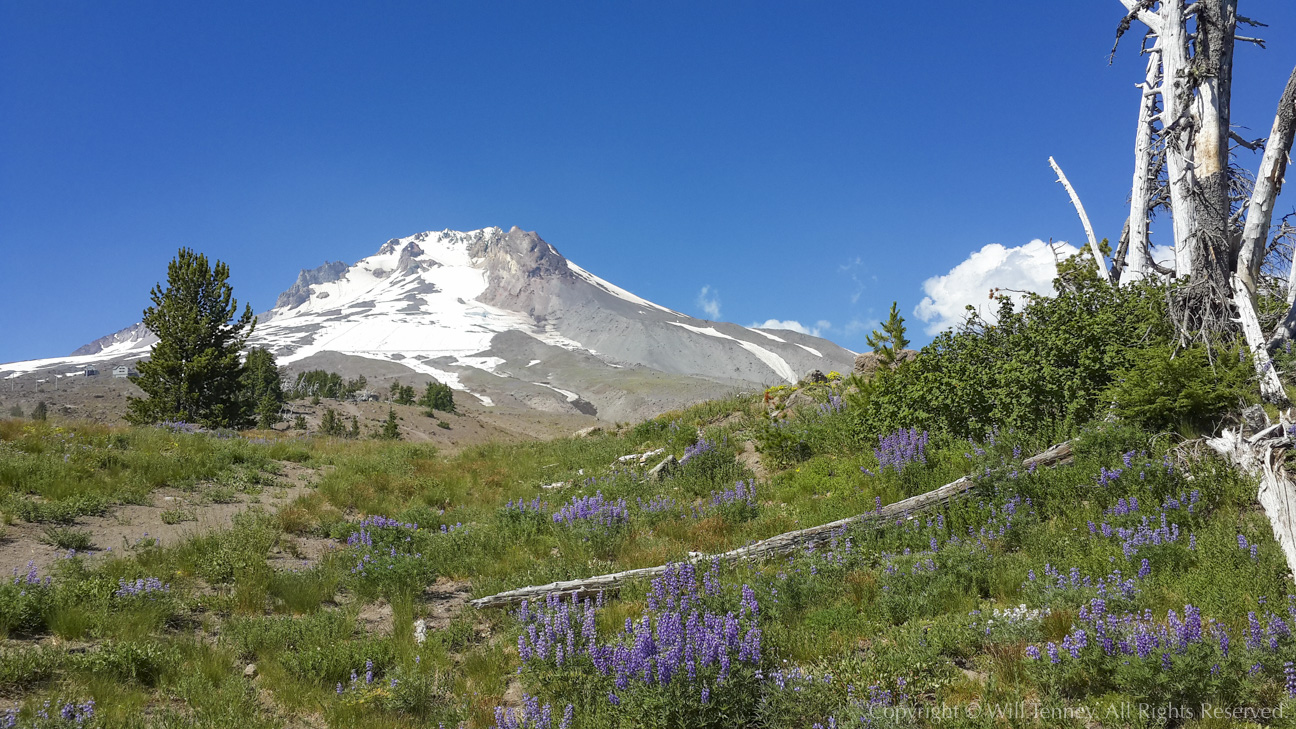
[[1220, 220]]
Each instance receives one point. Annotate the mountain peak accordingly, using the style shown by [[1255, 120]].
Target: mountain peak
[[503, 316]]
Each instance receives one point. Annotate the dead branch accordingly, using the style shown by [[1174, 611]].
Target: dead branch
[[781, 544], [1084, 218], [1262, 456], [1268, 185], [1253, 145]]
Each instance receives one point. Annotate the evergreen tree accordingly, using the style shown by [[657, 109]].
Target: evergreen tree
[[194, 372], [438, 396], [299, 423], [262, 386], [390, 429], [40, 412], [331, 424], [354, 432], [16, 411], [888, 342]]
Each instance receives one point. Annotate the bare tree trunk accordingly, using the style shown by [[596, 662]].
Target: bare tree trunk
[[1213, 65], [1268, 185], [781, 544], [1263, 458], [1176, 125], [1139, 256], [1271, 388], [1084, 218]]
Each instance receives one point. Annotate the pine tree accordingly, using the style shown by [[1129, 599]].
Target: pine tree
[[354, 432], [194, 372], [16, 411], [40, 412], [888, 342], [390, 429], [299, 423], [437, 396], [331, 424], [261, 386]]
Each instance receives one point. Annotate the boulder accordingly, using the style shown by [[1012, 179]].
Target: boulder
[[814, 377], [868, 363], [663, 469]]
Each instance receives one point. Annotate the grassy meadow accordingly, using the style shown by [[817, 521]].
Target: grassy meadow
[[1142, 574]]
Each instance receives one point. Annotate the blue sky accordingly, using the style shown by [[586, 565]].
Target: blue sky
[[798, 161]]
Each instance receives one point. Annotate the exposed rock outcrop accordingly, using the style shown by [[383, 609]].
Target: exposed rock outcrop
[[868, 363]]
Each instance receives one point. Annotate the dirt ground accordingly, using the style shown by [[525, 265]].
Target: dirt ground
[[128, 524]]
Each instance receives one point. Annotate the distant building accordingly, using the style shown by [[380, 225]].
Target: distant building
[[122, 372], [90, 371]]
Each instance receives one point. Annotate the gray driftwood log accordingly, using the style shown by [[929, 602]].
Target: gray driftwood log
[[1262, 456], [781, 544]]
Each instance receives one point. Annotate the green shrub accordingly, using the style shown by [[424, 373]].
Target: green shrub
[[23, 603], [1040, 369], [141, 662], [1166, 389], [65, 537]]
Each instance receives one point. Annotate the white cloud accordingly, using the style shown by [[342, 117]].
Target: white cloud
[[796, 326], [1031, 267], [709, 301]]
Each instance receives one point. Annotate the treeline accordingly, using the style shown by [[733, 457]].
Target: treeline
[[319, 383]]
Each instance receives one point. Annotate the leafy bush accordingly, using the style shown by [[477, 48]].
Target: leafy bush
[[1043, 368], [1165, 389], [23, 602], [68, 538]]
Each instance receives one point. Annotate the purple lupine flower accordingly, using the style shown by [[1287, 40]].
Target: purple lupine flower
[[901, 448], [593, 510]]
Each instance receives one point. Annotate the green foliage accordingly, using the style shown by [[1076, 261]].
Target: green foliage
[[438, 396], [262, 386], [65, 537], [299, 422], [888, 342], [331, 424], [1040, 369], [390, 427], [22, 606], [402, 394], [40, 412], [16, 411], [315, 384], [140, 662], [194, 373], [1165, 389]]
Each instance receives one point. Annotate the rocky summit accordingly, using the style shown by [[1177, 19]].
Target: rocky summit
[[503, 317]]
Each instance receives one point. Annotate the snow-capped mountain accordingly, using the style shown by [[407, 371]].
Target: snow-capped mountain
[[504, 317]]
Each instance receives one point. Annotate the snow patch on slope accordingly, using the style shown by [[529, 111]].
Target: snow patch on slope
[[775, 362], [617, 291]]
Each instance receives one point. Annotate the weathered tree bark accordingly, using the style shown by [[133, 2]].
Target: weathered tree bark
[[1262, 456], [1176, 126], [1268, 185], [1084, 219], [1140, 256], [781, 544], [1271, 388], [1212, 66]]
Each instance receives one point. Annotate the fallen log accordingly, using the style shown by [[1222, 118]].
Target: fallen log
[[1262, 456], [781, 544]]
